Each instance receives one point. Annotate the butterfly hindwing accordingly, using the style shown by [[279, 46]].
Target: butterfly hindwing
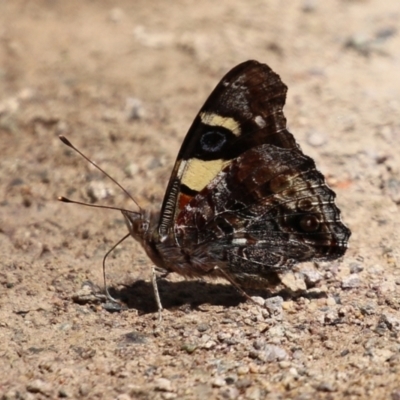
[[267, 210]]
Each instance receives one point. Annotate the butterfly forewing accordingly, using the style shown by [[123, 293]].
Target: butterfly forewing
[[243, 111]]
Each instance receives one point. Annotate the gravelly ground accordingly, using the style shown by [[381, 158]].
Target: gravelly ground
[[123, 80]]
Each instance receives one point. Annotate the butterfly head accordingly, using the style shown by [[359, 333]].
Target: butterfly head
[[138, 223], [142, 227]]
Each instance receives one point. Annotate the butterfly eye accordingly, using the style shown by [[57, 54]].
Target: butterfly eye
[[143, 227], [212, 141]]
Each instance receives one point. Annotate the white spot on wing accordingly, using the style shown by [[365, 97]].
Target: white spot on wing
[[240, 241], [259, 120]]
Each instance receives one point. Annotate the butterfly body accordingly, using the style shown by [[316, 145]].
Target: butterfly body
[[243, 201]]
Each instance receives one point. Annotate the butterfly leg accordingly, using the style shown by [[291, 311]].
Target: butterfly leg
[[162, 273], [233, 283], [156, 293]]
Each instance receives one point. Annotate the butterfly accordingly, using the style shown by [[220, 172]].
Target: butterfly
[[243, 201]]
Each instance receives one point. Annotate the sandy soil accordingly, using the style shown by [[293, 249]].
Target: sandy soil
[[123, 80]]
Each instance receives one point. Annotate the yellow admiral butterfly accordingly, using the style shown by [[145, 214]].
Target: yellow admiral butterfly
[[243, 201]]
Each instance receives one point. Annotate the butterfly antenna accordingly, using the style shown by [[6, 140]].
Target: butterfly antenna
[[66, 200], [69, 144], [108, 295]]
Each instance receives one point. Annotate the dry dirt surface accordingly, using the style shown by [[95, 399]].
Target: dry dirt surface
[[123, 81]]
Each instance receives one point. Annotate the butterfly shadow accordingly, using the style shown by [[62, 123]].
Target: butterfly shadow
[[180, 295]]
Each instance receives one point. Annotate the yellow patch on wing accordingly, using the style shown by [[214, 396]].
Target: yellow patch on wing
[[217, 120], [199, 173]]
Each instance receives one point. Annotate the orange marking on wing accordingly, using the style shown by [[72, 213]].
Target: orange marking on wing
[[183, 200]]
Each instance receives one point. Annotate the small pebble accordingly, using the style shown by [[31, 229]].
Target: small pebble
[[316, 139], [132, 170], [344, 353], [311, 277], [163, 385], [274, 305], [329, 345], [243, 370], [230, 380], [331, 317], [293, 282], [253, 368], [368, 309], [284, 364], [391, 321], [39, 386], [259, 344], [288, 305], [218, 382], [223, 336], [330, 302], [203, 327], [209, 345], [97, 190], [134, 109], [258, 300], [276, 331], [272, 353], [394, 360], [351, 281], [243, 383], [326, 387], [189, 347], [356, 268]]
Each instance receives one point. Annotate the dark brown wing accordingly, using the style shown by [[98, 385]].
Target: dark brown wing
[[242, 195], [269, 209], [243, 111]]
